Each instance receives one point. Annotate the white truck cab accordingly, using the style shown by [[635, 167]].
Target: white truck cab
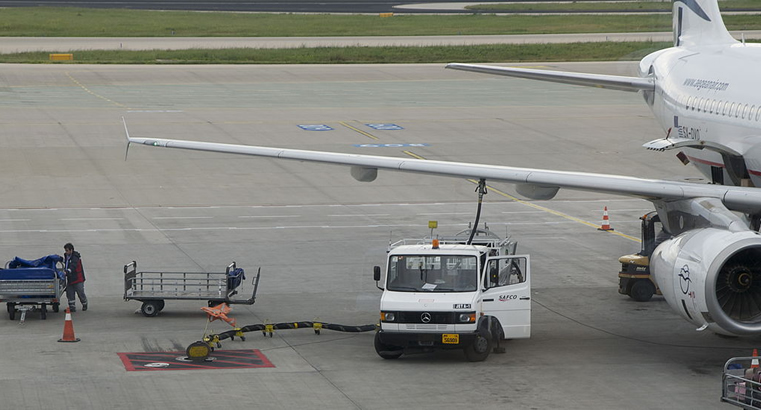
[[446, 294]]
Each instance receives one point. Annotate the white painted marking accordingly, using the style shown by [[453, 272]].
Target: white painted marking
[[183, 217], [269, 216], [91, 219], [350, 215]]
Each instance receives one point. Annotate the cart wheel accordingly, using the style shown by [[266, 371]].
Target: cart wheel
[[642, 290], [150, 308], [10, 306], [11, 311], [243, 338], [43, 312], [56, 307], [161, 304]]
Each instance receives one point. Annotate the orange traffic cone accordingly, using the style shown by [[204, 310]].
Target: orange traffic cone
[[68, 329], [605, 221], [754, 361]]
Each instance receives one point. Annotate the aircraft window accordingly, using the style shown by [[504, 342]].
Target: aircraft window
[[751, 113], [711, 104], [758, 113], [731, 109], [689, 103], [701, 104], [745, 111], [724, 108]]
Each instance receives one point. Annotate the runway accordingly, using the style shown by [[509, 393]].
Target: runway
[[316, 233]]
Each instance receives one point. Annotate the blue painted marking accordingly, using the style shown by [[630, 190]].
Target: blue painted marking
[[390, 145], [315, 127], [385, 127]]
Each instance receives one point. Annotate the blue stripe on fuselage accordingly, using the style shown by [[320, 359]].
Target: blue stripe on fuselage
[[695, 7]]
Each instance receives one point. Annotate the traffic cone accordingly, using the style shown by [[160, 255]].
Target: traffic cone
[[68, 329], [754, 361], [605, 221]]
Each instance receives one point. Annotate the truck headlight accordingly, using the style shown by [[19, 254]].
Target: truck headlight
[[387, 317], [469, 317]]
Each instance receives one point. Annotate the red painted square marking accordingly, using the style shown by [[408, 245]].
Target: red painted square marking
[[218, 359]]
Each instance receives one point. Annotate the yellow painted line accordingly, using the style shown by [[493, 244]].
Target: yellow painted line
[[413, 155], [92, 93], [366, 134], [541, 208]]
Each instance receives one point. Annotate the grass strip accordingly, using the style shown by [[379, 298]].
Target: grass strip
[[605, 6], [608, 51], [78, 22]]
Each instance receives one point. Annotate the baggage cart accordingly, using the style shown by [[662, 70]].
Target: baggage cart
[[154, 288], [32, 285]]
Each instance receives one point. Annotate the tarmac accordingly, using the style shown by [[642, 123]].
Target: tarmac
[[316, 233]]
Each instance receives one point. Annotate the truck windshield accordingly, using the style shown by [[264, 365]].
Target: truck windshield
[[440, 273]]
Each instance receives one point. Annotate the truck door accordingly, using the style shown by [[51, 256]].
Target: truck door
[[506, 285]]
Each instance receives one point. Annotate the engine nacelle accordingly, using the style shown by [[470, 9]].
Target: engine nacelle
[[712, 278]]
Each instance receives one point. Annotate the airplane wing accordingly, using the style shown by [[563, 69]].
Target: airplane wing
[[532, 183], [613, 82]]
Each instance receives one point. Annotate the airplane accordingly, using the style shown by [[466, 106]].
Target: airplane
[[703, 91]]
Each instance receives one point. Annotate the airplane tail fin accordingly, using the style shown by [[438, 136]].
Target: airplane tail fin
[[699, 22]]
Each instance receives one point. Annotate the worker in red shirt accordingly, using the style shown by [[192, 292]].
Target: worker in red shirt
[[75, 277]]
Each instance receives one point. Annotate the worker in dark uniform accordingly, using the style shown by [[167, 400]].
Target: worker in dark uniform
[[75, 277]]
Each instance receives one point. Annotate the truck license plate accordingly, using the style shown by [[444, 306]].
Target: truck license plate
[[450, 339]]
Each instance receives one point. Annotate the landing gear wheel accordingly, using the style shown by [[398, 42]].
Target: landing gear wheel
[[479, 350], [150, 308], [642, 290], [385, 351]]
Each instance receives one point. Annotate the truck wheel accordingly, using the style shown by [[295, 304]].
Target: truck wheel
[[161, 304], [150, 308], [479, 350], [642, 290], [385, 351]]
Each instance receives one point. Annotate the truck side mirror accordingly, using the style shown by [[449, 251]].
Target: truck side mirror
[[377, 276]]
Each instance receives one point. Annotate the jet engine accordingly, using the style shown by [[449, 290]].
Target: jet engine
[[712, 278]]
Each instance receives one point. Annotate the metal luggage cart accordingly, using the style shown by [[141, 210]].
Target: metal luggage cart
[[30, 289], [739, 388], [153, 288]]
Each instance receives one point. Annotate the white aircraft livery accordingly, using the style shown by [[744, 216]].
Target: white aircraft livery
[[704, 92]]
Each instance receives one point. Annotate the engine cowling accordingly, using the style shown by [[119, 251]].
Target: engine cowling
[[712, 278]]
